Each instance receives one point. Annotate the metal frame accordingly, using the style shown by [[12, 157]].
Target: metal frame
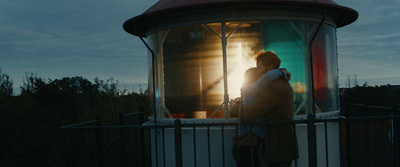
[[311, 129], [224, 39]]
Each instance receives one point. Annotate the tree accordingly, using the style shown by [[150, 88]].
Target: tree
[[32, 84], [29, 122], [348, 82], [6, 85], [355, 81], [109, 87]]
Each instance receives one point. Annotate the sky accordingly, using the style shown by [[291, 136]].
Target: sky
[[66, 38], [370, 47]]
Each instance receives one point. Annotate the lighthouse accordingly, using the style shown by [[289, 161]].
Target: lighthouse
[[200, 49]]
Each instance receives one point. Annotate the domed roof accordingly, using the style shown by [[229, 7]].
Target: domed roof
[[135, 26]]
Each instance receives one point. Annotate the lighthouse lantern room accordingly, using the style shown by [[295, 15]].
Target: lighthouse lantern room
[[200, 49]]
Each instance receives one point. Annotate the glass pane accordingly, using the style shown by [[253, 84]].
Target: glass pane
[[190, 64], [151, 79], [193, 75], [243, 46], [287, 39], [325, 70]]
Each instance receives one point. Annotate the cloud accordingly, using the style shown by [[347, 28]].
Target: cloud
[[59, 38], [369, 47]]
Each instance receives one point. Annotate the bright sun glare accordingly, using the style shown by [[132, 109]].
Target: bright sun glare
[[239, 64]]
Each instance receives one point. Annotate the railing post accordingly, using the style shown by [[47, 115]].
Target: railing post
[[99, 144], [368, 142], [312, 145], [341, 137], [58, 133], [142, 138], [396, 135], [347, 113], [178, 143], [348, 143], [122, 139], [366, 110]]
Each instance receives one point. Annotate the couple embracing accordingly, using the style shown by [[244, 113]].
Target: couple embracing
[[266, 97]]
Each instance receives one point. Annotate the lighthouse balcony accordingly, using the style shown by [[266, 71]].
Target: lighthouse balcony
[[361, 136]]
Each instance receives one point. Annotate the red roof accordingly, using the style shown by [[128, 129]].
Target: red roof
[[163, 7]]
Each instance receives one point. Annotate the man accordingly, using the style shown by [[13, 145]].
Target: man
[[275, 104]]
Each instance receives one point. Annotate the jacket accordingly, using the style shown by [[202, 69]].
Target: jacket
[[276, 104]]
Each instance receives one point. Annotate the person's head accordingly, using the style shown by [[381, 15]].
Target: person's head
[[267, 61], [250, 76]]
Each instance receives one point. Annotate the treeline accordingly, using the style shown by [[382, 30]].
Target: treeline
[[385, 95], [28, 121]]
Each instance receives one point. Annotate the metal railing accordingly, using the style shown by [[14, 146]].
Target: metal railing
[[82, 147], [366, 138], [370, 135]]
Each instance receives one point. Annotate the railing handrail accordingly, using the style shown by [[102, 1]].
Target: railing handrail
[[371, 106], [349, 119], [79, 124], [134, 114]]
